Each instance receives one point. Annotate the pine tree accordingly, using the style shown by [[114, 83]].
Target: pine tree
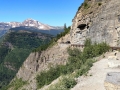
[[65, 26]]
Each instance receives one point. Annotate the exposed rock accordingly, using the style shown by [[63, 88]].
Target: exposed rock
[[39, 61], [114, 60], [64, 39], [112, 81], [100, 23]]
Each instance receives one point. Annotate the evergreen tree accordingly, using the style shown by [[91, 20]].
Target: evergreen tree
[[65, 26]]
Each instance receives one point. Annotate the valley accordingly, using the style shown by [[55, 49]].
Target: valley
[[14, 49]]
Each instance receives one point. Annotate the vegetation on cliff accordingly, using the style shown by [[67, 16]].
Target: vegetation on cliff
[[54, 40], [14, 49], [88, 6], [77, 60], [16, 84]]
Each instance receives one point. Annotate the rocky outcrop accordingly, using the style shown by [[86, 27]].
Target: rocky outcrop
[[39, 61], [114, 60], [98, 20], [112, 81]]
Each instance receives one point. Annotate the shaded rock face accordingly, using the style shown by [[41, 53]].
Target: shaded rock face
[[100, 22]]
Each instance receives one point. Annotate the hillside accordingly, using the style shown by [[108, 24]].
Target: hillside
[[40, 60], [53, 31], [69, 58], [14, 49]]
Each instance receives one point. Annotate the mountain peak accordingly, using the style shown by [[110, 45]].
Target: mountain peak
[[30, 19], [34, 23], [29, 23]]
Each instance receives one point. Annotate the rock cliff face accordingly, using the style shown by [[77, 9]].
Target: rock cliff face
[[98, 20], [39, 61]]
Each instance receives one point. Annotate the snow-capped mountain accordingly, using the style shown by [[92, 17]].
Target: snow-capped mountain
[[35, 23], [28, 22], [5, 26], [14, 24]]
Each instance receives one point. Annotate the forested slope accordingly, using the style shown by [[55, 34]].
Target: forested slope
[[14, 49]]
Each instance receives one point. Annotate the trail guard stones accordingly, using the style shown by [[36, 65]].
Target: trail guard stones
[[114, 60], [112, 81]]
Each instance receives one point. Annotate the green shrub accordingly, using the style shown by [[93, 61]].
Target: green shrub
[[75, 52], [84, 68], [16, 84], [46, 77], [77, 60], [86, 6], [87, 43], [69, 82], [93, 50], [64, 83]]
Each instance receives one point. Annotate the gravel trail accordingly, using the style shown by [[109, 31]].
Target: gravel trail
[[96, 76]]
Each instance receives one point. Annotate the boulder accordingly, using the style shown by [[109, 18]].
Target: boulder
[[113, 61], [112, 81]]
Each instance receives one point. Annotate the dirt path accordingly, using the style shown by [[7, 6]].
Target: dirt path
[[96, 76]]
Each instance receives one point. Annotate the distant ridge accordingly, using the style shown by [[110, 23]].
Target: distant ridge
[[30, 24]]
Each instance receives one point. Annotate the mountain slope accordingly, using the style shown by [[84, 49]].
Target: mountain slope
[[41, 60], [29, 23], [14, 49], [53, 32], [37, 24], [96, 20]]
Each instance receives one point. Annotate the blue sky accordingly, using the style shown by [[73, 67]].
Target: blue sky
[[52, 12]]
